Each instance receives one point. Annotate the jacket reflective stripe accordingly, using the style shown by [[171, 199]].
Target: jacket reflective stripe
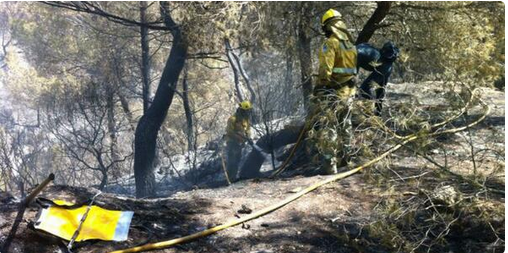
[[351, 71]]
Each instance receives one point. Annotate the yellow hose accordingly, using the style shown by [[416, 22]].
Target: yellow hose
[[223, 163]]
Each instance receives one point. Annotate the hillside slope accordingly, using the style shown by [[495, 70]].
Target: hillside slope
[[407, 203]]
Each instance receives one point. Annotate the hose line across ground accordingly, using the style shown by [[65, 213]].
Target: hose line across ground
[[276, 206]]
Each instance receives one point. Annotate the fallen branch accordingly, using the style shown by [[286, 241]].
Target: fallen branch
[[383, 127]]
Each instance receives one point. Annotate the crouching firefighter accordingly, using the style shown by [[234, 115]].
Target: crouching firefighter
[[237, 133], [330, 134]]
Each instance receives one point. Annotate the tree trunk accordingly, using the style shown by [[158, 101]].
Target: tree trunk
[[145, 57], [373, 23], [188, 113], [239, 93], [148, 127], [305, 54], [102, 168], [117, 69], [245, 77], [287, 98], [104, 180], [115, 156], [126, 109]]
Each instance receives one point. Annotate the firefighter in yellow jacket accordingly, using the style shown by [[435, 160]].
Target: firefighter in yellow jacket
[[330, 136], [237, 133]]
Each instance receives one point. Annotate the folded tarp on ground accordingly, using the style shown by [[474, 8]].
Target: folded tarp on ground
[[62, 219]]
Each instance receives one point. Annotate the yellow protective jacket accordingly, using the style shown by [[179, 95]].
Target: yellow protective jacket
[[238, 129], [337, 59]]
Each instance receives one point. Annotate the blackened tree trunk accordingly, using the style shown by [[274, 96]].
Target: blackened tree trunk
[[288, 107], [104, 180], [148, 126], [188, 112], [145, 57], [374, 22], [305, 53], [102, 168]]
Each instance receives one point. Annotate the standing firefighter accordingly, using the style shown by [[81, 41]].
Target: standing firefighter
[[237, 133], [330, 113]]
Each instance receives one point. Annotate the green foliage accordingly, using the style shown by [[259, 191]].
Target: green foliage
[[462, 39]]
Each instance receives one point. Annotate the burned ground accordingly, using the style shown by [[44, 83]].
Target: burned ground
[[398, 205]]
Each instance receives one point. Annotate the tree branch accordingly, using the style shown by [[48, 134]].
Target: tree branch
[[244, 75], [91, 8], [374, 22]]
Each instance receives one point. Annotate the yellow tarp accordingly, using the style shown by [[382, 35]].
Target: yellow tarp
[[100, 223]]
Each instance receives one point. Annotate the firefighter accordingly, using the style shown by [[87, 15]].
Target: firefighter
[[237, 133], [330, 113]]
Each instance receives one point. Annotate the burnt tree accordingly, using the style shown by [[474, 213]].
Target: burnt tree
[[374, 22], [149, 125], [305, 52], [191, 144], [145, 56]]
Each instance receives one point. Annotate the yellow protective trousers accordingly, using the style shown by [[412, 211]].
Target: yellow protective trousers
[[329, 137]]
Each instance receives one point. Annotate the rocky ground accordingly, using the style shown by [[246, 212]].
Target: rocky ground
[[444, 202]]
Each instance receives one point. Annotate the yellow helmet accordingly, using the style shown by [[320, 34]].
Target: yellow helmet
[[245, 105], [330, 14]]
